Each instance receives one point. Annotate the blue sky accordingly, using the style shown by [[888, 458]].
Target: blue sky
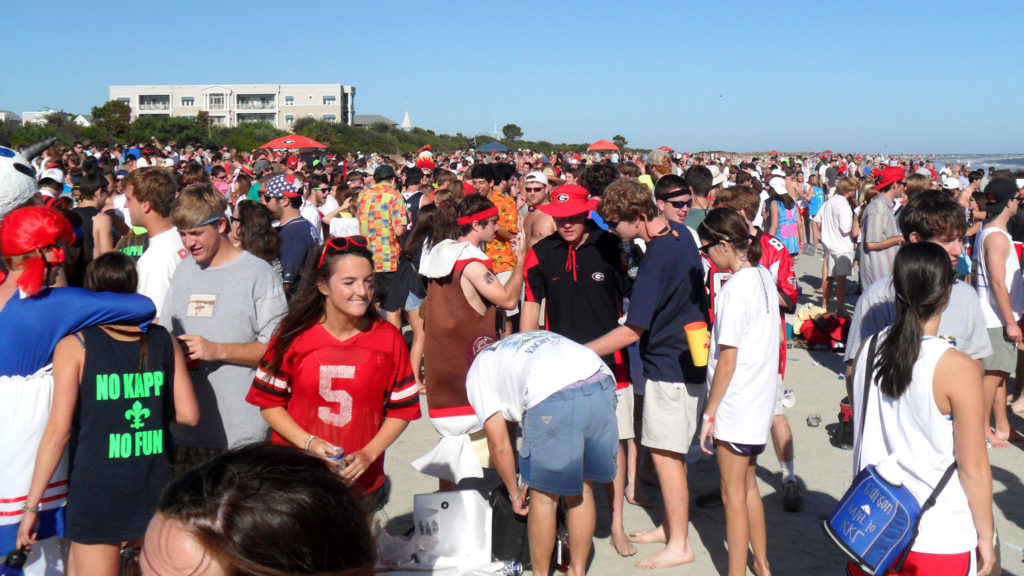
[[928, 77]]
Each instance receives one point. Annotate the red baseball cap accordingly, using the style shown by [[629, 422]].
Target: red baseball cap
[[888, 175], [569, 200]]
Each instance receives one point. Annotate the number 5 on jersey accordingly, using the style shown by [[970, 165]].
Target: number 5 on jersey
[[341, 414]]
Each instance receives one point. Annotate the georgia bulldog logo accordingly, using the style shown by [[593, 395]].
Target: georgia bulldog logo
[[563, 197], [598, 276], [478, 345]]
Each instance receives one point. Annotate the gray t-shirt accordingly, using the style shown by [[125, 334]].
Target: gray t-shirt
[[239, 302], [879, 224], [962, 319]]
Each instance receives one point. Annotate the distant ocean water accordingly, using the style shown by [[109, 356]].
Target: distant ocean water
[[1000, 161]]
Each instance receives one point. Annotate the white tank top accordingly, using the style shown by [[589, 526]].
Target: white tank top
[[1013, 279], [913, 428]]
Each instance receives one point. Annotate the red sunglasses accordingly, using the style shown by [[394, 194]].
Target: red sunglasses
[[338, 244]]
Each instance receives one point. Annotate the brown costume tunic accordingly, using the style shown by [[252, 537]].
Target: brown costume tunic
[[452, 327]]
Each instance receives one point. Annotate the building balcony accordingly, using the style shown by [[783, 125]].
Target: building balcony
[[269, 106], [155, 107], [258, 117]]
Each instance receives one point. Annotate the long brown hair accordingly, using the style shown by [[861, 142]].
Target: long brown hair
[[116, 272], [726, 224], [272, 510], [256, 231], [307, 306], [922, 279]]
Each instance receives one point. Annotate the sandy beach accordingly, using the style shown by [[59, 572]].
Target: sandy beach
[[796, 542]]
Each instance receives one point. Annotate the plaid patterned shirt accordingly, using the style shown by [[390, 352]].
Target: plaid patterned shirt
[[499, 251], [381, 209]]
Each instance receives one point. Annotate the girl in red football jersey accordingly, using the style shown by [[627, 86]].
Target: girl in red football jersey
[[336, 379]]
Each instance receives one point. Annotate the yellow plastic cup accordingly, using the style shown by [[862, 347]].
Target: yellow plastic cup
[[697, 338]]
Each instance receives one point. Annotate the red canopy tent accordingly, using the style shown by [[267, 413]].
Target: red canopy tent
[[603, 145], [665, 149], [294, 142]]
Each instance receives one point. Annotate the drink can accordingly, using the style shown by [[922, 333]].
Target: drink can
[[788, 399], [511, 568]]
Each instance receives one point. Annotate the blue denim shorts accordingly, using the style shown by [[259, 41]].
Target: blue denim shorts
[[412, 302], [570, 437]]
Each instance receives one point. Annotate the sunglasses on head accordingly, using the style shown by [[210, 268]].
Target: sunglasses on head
[[56, 252], [339, 244]]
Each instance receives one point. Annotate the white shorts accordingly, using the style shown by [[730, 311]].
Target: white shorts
[[839, 264], [671, 413], [779, 409], [504, 277], [624, 412]]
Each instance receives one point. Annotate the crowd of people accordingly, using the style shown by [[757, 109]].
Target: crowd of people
[[168, 311]]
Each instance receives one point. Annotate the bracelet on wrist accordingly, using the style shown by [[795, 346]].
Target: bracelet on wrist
[[309, 438], [27, 508], [707, 418]]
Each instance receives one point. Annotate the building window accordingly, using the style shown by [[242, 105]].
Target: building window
[[289, 100], [329, 118], [188, 101], [289, 119], [329, 100], [125, 100], [216, 101]]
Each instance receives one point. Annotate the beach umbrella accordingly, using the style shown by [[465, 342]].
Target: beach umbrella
[[492, 147], [294, 142], [602, 145], [827, 152], [665, 149]]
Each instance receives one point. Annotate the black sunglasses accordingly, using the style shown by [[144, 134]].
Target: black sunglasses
[[706, 248], [612, 223], [680, 204]]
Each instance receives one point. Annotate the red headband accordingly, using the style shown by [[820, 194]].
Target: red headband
[[481, 215]]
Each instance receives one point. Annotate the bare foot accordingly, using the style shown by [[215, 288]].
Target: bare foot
[[1001, 435], [622, 544], [762, 569], [667, 558], [1018, 406], [652, 536]]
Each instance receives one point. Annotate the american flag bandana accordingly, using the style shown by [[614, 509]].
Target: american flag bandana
[[282, 186]]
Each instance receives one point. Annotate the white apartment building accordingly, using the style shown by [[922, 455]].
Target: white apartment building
[[36, 116], [233, 104]]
